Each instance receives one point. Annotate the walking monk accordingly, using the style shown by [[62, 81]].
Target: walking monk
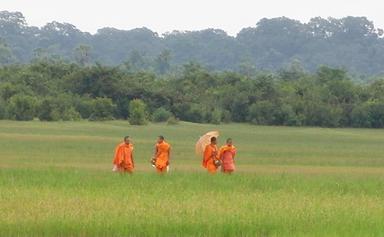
[[162, 155], [211, 158], [123, 160], [227, 157]]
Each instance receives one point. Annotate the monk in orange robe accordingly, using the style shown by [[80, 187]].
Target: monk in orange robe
[[162, 155], [123, 160], [211, 158], [227, 157]]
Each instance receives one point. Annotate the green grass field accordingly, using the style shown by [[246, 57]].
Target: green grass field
[[56, 180]]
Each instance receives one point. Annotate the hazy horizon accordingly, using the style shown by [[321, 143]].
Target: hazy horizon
[[170, 15]]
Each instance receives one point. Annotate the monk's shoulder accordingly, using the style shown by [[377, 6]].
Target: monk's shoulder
[[208, 147]]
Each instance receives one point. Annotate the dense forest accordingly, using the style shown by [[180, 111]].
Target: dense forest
[[327, 72], [352, 43], [52, 90]]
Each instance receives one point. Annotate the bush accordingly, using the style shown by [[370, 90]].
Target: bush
[[262, 113], [3, 109], [70, 114], [321, 114], [173, 121], [58, 108], [196, 113], [287, 116], [377, 115], [215, 117], [161, 115], [22, 107], [46, 110], [360, 116], [84, 105], [137, 112], [103, 109], [226, 116]]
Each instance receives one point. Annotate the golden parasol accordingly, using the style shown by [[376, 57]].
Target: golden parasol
[[204, 141]]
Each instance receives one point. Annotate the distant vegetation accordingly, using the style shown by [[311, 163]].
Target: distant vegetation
[[353, 43], [52, 90], [60, 73]]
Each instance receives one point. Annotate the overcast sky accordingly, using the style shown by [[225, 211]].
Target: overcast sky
[[167, 15]]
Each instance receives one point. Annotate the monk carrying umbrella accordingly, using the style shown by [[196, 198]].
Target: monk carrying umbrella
[[206, 147]]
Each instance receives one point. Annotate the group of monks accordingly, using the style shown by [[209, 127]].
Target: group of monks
[[213, 158], [123, 160]]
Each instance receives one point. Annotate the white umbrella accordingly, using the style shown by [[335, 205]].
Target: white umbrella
[[204, 141]]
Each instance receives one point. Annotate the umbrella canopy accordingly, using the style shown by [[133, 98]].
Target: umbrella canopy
[[204, 141]]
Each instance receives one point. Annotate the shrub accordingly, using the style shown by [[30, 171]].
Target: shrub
[[215, 117], [84, 105], [22, 107], [360, 116], [58, 108], [161, 115], [103, 109], [3, 109], [226, 116], [262, 112], [173, 121], [137, 112]]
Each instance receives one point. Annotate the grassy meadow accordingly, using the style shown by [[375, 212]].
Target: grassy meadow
[[56, 180]]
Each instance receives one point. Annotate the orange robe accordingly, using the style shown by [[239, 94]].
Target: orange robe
[[123, 157], [227, 157], [210, 154], [162, 156]]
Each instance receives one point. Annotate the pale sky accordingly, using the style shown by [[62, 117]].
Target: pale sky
[[167, 15]]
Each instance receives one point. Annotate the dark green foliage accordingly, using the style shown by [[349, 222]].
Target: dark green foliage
[[22, 107], [137, 112], [3, 109], [102, 109], [55, 90], [51, 73], [161, 115], [263, 112], [58, 108]]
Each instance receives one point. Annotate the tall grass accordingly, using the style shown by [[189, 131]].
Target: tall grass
[[55, 180]]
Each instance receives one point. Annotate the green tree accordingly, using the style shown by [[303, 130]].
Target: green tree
[[161, 115], [83, 54], [3, 109], [262, 113], [162, 62], [58, 108], [103, 109], [22, 107], [137, 112], [6, 54]]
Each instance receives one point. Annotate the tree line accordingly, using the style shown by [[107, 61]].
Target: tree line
[[53, 90], [351, 42]]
